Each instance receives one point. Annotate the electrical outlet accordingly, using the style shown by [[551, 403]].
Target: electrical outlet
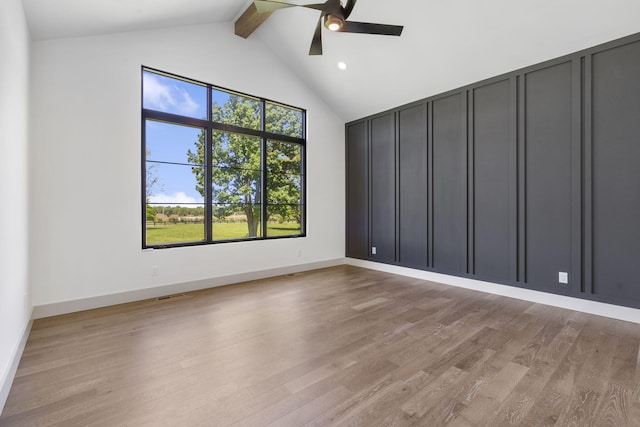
[[373, 250], [155, 271], [563, 277]]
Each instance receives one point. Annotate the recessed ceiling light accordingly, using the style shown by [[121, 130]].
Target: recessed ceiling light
[[342, 65]]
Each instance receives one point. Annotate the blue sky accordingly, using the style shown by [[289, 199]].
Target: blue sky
[[170, 143], [174, 96]]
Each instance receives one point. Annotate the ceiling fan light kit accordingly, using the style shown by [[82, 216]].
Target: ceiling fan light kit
[[335, 17], [333, 23]]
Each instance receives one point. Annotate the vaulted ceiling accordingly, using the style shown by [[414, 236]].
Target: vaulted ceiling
[[445, 43]]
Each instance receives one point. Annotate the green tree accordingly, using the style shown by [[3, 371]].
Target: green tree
[[152, 184], [284, 183], [151, 213], [236, 162]]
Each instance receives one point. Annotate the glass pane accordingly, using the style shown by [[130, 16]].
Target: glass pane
[[283, 120], [170, 95], [234, 109], [284, 189], [236, 174], [167, 142], [284, 220], [174, 224], [236, 221], [175, 185], [236, 151], [284, 157]]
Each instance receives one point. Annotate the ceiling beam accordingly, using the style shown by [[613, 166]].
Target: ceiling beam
[[250, 20]]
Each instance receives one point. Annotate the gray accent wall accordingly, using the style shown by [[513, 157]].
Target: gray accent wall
[[519, 179]]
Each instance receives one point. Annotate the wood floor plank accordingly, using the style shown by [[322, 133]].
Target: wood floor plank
[[556, 394], [514, 410], [490, 396], [592, 379], [331, 347]]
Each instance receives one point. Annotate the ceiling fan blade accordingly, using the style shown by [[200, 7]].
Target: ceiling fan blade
[[316, 43], [270, 6], [368, 28], [348, 8], [316, 6]]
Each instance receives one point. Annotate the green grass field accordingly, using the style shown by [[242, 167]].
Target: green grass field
[[177, 233]]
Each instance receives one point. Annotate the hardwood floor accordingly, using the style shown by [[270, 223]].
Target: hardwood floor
[[339, 346]]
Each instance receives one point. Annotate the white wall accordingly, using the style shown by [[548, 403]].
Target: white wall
[[85, 174], [15, 307]]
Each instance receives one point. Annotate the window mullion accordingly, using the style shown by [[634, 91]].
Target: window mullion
[[263, 180], [208, 198]]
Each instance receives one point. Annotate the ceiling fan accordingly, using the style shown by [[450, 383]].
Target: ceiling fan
[[335, 17]]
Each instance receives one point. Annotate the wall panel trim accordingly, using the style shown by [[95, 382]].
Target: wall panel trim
[[521, 183], [470, 136], [430, 175], [587, 176], [575, 278], [513, 182]]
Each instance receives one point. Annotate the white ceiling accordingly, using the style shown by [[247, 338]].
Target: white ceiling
[[445, 43], [51, 19]]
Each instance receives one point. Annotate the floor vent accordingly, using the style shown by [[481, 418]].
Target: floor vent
[[169, 297]]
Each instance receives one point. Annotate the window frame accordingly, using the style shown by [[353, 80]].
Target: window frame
[[209, 126]]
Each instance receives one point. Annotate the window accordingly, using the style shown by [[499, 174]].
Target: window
[[218, 165]]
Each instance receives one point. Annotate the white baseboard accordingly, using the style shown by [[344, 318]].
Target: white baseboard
[[570, 303], [65, 307], [7, 380]]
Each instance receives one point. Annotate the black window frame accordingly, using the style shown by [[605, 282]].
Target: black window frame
[[209, 126]]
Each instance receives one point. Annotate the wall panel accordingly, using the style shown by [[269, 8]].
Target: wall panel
[[413, 191], [357, 191], [548, 216], [383, 188], [449, 185], [491, 182]]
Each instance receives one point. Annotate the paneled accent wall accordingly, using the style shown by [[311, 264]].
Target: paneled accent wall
[[530, 179]]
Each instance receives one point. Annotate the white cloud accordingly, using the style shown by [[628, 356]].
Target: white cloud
[[163, 97], [180, 198]]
